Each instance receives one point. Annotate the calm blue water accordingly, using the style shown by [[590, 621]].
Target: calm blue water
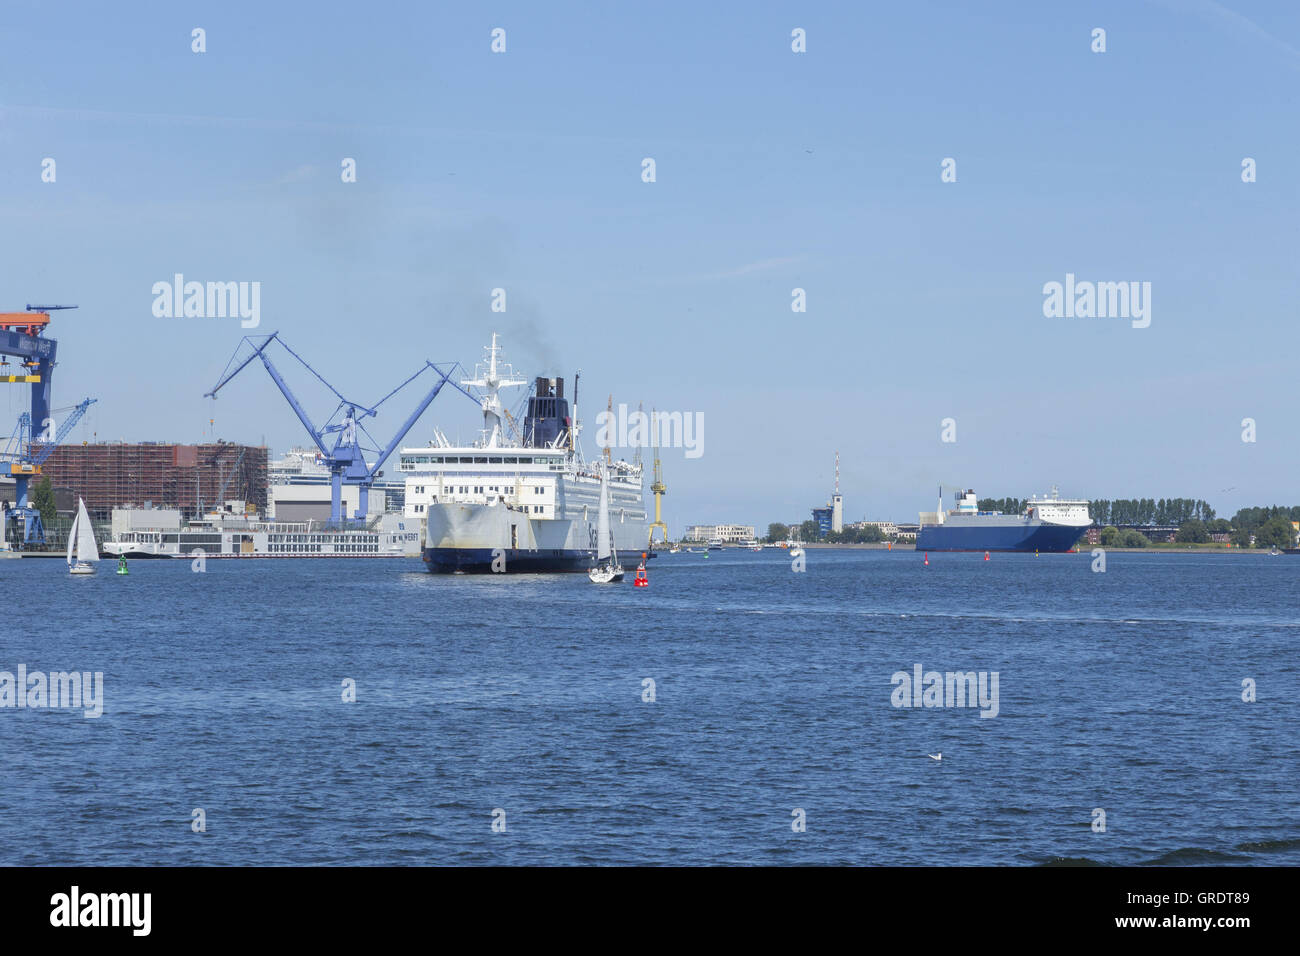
[[1119, 691]]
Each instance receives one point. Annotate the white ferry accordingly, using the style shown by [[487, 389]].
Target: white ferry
[[521, 501]]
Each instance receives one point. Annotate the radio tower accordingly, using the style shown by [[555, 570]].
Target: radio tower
[[658, 487]]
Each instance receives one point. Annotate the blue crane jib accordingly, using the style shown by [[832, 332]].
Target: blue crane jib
[[24, 456], [345, 458]]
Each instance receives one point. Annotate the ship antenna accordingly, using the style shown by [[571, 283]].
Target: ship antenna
[[573, 422]]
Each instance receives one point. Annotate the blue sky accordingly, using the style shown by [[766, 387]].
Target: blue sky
[[775, 170]]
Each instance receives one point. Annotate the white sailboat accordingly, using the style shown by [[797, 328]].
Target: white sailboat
[[81, 543], [607, 568]]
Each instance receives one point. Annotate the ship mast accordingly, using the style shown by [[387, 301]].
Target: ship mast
[[496, 376], [609, 413]]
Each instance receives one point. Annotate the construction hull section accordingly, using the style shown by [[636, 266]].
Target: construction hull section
[[493, 538]]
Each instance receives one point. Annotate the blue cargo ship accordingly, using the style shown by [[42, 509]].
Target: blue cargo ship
[[1051, 524]]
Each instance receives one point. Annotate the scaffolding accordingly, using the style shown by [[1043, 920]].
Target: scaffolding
[[188, 478]]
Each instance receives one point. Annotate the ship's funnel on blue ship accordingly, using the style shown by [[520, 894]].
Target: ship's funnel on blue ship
[[548, 413]]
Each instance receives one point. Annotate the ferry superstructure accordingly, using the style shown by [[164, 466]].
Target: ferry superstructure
[[1050, 524], [518, 501]]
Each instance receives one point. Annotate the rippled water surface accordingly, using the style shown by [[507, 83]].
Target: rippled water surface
[[1120, 691]]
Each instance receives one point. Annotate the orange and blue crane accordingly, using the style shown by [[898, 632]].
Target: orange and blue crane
[[22, 335]]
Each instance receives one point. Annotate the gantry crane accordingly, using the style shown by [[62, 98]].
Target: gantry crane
[[22, 334], [346, 460], [658, 487]]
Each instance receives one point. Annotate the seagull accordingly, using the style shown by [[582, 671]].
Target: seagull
[[938, 756]]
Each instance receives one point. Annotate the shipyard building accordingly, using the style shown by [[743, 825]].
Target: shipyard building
[[191, 479]]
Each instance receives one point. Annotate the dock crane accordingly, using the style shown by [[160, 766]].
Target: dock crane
[[658, 486], [24, 456], [22, 334], [345, 459]]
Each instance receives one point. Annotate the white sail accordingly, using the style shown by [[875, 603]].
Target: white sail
[[87, 550], [602, 523], [72, 536]]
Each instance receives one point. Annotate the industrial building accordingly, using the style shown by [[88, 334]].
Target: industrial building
[[189, 478], [312, 502], [726, 533]]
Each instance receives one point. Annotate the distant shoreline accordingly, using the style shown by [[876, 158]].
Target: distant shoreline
[[1084, 549]]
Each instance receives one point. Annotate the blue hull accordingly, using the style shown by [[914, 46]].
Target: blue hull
[[1043, 537], [479, 561]]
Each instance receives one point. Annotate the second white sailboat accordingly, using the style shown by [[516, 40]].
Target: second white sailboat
[[82, 549]]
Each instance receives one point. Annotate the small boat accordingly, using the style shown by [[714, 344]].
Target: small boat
[[796, 551], [82, 549], [607, 570], [674, 550]]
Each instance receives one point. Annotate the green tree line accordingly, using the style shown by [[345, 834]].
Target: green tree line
[[810, 531], [1151, 511]]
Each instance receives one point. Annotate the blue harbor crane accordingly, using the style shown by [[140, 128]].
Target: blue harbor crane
[[24, 456], [345, 458]]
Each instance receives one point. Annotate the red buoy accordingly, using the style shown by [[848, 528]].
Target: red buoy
[[641, 580], [986, 555], [927, 559]]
